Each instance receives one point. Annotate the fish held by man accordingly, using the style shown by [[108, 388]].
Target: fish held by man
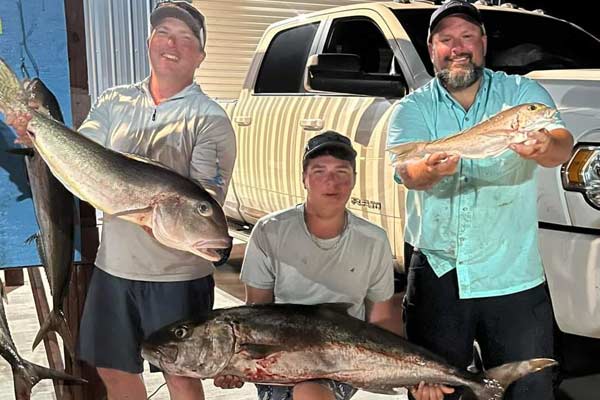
[[288, 343], [180, 212], [489, 138], [54, 208], [25, 374]]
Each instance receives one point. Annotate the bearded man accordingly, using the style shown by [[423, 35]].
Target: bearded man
[[476, 273]]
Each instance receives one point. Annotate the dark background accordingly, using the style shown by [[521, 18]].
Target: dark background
[[578, 12]]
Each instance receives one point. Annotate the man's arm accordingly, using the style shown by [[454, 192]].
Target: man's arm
[[385, 315], [547, 148], [425, 173], [214, 154], [259, 296]]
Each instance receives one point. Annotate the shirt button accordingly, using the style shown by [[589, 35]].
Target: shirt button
[[466, 118]]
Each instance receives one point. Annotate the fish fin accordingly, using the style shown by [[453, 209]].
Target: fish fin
[[138, 216], [508, 373], [22, 151], [27, 375], [12, 95], [3, 295], [496, 380], [257, 351], [56, 322], [37, 238], [405, 151], [145, 160]]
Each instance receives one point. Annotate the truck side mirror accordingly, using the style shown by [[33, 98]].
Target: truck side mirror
[[341, 73]]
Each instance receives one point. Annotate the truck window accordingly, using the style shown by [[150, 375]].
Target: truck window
[[362, 37], [283, 65], [514, 45]]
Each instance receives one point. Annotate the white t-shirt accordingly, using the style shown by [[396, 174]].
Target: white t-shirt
[[351, 268], [188, 133]]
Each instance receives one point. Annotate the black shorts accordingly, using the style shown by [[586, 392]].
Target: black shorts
[[508, 328], [119, 313]]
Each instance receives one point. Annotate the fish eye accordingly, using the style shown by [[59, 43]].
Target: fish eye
[[204, 208], [181, 332], [532, 107]]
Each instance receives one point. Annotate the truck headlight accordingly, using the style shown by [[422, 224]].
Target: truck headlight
[[582, 173]]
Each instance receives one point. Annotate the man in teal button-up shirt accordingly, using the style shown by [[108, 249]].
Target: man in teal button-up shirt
[[477, 273]]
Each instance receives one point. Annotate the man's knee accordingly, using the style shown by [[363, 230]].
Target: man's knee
[[114, 376], [122, 385], [183, 387]]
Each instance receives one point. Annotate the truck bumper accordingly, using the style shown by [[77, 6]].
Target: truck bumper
[[572, 264]]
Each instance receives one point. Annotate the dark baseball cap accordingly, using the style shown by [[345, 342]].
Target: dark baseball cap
[[184, 11], [329, 139], [455, 7]]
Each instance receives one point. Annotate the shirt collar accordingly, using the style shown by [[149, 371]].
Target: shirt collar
[[189, 90]]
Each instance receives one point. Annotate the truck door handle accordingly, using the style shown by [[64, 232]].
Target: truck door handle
[[243, 121], [309, 124]]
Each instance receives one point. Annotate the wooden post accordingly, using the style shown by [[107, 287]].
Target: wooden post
[[50, 341], [14, 277], [94, 389]]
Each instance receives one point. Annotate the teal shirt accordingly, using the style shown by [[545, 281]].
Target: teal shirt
[[482, 221]]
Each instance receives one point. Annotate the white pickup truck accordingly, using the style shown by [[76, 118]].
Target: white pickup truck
[[345, 68]]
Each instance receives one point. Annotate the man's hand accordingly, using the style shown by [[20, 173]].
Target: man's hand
[[547, 148], [537, 144], [442, 164], [228, 382], [426, 172], [430, 392]]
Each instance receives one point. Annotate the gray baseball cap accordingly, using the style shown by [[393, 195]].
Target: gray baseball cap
[[452, 7], [329, 139], [184, 11]]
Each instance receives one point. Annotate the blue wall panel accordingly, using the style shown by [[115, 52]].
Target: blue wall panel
[[45, 38]]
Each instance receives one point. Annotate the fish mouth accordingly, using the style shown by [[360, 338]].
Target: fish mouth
[[160, 354], [216, 251]]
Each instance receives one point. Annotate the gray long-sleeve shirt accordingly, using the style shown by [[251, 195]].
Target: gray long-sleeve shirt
[[188, 133]]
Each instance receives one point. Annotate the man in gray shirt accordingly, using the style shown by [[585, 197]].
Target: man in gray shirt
[[319, 252], [140, 285]]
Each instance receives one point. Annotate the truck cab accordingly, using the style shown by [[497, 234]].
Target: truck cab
[[345, 69]]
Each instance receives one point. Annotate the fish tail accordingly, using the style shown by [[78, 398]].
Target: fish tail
[[26, 375], [56, 322], [11, 91], [496, 380], [406, 151]]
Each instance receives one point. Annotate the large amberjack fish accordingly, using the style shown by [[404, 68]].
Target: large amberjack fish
[[180, 213], [287, 344], [54, 209], [25, 374], [489, 138]]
